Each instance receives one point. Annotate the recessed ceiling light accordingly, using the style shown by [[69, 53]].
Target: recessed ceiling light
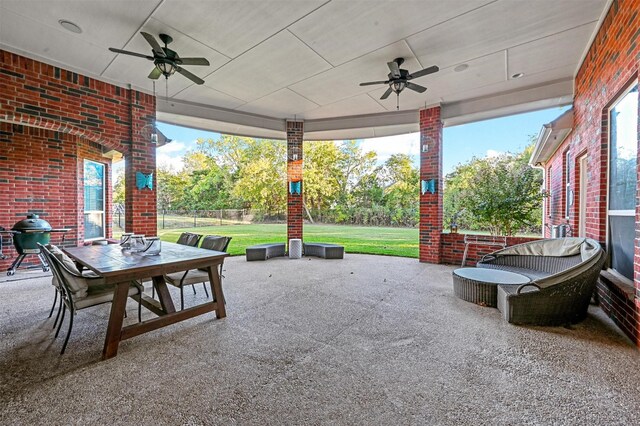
[[461, 67], [518, 75], [70, 26]]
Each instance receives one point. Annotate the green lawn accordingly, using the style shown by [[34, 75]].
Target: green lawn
[[356, 239]]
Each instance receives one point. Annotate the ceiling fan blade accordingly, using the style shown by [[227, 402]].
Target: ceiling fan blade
[[425, 71], [415, 87], [194, 61], [155, 74], [192, 77], [386, 94], [157, 49], [394, 68], [126, 52], [371, 83]]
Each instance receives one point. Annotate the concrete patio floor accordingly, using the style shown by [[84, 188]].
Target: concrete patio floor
[[364, 340]]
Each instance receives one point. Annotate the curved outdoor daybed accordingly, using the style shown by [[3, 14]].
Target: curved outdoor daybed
[[563, 273]]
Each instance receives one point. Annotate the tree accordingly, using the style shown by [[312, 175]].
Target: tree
[[400, 179], [118, 187], [321, 176], [500, 194], [261, 180]]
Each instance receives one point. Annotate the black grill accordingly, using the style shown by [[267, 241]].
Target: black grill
[[27, 233]]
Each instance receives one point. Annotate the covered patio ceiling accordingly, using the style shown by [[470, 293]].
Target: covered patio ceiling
[[280, 59]]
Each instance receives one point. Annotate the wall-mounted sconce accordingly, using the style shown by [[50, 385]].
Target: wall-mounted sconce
[[430, 185], [149, 131], [144, 181], [295, 188], [425, 143], [293, 153]]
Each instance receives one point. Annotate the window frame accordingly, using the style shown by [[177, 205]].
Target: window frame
[[568, 192], [104, 201], [628, 88]]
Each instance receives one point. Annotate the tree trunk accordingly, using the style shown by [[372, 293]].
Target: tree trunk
[[307, 211]]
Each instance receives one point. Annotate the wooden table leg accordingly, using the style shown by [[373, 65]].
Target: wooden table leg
[[216, 289], [163, 294], [114, 328]]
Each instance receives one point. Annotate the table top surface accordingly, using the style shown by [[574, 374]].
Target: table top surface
[[491, 276], [110, 261]]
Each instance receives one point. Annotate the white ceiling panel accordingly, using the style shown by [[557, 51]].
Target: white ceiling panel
[[482, 71], [549, 52], [135, 70], [59, 46], [343, 81], [498, 26], [233, 27], [357, 105], [279, 104], [103, 23], [560, 73], [345, 29], [276, 63], [306, 58], [207, 96]]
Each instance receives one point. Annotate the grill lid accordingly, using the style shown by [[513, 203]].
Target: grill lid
[[31, 223]]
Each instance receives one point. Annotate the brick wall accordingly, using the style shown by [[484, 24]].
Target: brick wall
[[431, 168], [452, 248], [610, 66], [52, 119], [295, 134]]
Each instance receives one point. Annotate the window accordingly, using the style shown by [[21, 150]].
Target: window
[[623, 146], [568, 193], [94, 186]]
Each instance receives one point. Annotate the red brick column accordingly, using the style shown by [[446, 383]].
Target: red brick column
[[431, 168], [140, 204], [295, 133]]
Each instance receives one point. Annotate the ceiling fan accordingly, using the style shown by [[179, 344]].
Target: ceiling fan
[[398, 79], [166, 60]]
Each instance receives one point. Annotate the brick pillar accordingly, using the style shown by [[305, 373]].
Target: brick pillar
[[140, 204], [431, 168], [295, 133]]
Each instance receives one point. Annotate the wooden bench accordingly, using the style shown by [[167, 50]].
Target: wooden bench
[[265, 251], [327, 251]]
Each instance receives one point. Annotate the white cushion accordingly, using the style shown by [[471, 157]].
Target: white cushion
[[77, 285]]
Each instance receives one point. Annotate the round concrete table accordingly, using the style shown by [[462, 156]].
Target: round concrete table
[[480, 285]]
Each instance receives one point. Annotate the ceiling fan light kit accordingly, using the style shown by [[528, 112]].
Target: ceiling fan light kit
[[398, 80], [167, 62]]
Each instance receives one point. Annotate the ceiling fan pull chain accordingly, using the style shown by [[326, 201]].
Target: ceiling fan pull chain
[[397, 101]]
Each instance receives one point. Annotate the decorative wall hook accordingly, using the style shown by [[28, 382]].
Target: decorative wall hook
[[428, 186], [295, 188], [144, 181]]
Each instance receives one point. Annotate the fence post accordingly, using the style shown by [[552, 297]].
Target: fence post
[[220, 215], [164, 212], [195, 220]]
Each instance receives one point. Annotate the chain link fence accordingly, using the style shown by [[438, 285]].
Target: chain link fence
[[173, 219]]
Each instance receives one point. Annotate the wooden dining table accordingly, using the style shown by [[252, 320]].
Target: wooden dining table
[[121, 268]]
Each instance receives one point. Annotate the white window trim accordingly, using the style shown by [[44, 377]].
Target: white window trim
[[615, 212], [104, 201]]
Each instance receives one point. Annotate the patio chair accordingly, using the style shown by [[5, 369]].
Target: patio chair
[[186, 239], [192, 277], [189, 239], [78, 292], [563, 273], [54, 281]]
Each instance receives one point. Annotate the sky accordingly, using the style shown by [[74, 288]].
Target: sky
[[461, 143]]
